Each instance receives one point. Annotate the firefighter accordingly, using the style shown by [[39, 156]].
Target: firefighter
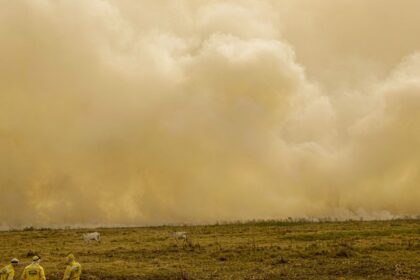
[[73, 269], [8, 272], [34, 271]]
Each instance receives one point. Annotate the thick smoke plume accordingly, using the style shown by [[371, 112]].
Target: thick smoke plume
[[148, 112]]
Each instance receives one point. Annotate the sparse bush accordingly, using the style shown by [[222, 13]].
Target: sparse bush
[[278, 261], [343, 249], [314, 249], [342, 253], [31, 253]]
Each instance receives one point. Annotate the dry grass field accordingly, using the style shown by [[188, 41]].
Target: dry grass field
[[254, 250]]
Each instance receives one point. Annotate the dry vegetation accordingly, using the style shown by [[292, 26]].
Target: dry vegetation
[[255, 250]]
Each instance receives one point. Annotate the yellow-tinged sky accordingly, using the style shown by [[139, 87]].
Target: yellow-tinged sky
[[149, 112]]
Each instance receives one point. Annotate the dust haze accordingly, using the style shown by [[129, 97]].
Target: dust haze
[[151, 112]]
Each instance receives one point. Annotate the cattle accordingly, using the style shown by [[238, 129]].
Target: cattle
[[91, 236], [180, 235]]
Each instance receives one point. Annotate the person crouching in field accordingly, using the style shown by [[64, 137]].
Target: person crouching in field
[[73, 269], [8, 272], [34, 271]]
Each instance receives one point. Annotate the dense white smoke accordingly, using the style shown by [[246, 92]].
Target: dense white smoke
[[148, 112]]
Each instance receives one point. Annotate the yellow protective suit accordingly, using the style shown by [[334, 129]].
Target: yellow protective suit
[[73, 271], [7, 272], [33, 272]]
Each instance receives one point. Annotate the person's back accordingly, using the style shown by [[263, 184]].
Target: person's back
[[34, 271], [7, 272], [73, 269]]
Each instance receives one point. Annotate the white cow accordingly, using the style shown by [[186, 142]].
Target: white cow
[[94, 236], [180, 235]]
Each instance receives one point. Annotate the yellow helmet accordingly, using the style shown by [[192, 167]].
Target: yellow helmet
[[36, 258], [70, 257]]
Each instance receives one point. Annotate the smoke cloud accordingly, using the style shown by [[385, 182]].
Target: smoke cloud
[[149, 112]]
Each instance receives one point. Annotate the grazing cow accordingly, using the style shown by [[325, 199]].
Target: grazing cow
[[94, 236], [180, 235]]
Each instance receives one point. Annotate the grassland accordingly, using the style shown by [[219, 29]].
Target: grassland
[[255, 250]]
